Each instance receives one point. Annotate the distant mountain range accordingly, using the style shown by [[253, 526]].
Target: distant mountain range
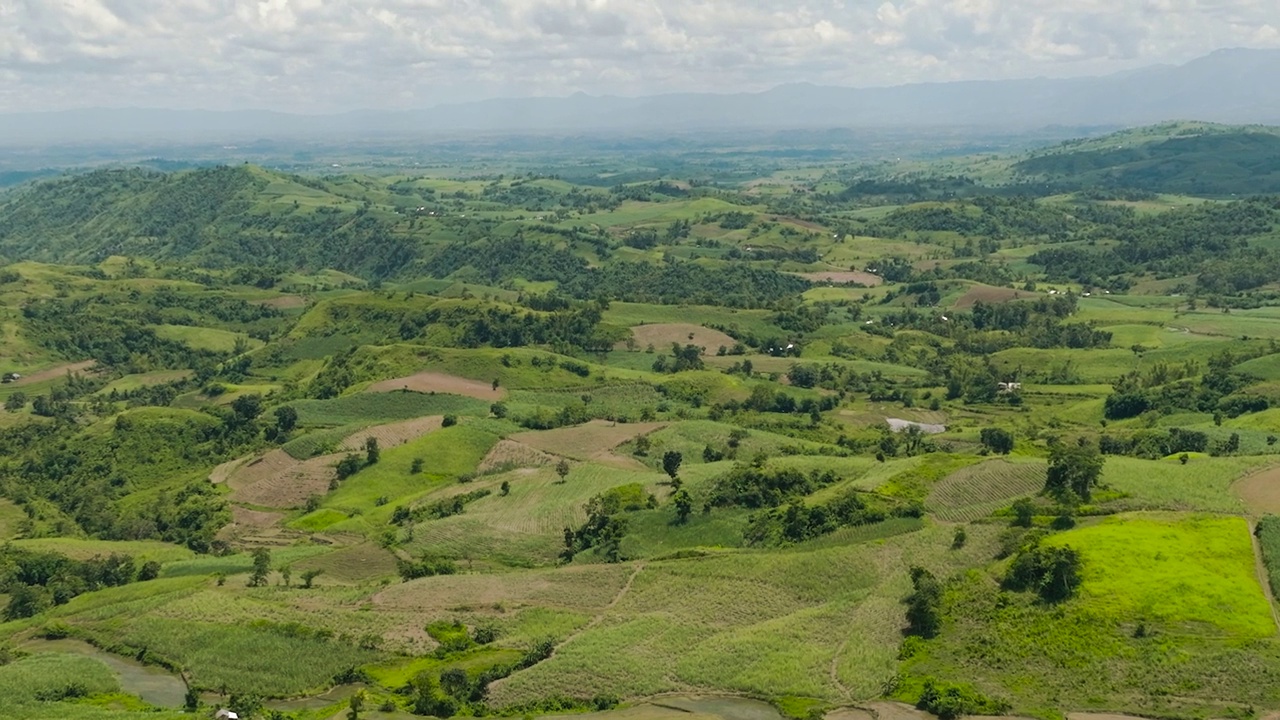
[[1228, 86]]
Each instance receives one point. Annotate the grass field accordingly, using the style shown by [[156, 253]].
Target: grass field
[[371, 408], [1187, 581], [1202, 484]]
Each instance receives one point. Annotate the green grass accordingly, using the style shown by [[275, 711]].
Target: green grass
[[203, 338], [371, 408], [1166, 599], [1188, 572], [141, 550], [1201, 484], [446, 453]]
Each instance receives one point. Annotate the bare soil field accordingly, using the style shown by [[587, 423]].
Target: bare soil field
[[990, 294], [843, 277], [53, 373], [511, 454], [427, 382], [1260, 491], [245, 517], [220, 474], [583, 442], [661, 335], [276, 480], [393, 434]]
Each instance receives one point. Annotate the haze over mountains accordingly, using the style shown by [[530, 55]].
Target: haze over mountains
[[1229, 86]]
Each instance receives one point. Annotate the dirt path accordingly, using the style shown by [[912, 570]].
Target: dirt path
[[626, 587], [835, 676], [1263, 576]]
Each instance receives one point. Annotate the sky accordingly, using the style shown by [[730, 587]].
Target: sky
[[317, 56]]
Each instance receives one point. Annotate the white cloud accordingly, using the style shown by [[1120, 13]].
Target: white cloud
[[320, 55]]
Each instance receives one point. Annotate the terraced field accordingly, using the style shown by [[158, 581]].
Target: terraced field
[[978, 490]]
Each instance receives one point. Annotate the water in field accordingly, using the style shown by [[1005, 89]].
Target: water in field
[[154, 685]]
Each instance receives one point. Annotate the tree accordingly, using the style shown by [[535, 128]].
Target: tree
[[150, 571], [26, 601], [16, 401], [348, 466], [309, 577], [959, 538], [286, 419], [499, 410], [562, 469], [671, 460], [286, 574], [1074, 469], [684, 505], [355, 705], [924, 604], [371, 452], [1053, 572], [505, 488], [1024, 512], [997, 440], [247, 407], [415, 467], [261, 567]]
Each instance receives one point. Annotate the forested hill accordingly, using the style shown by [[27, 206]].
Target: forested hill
[[1193, 159], [215, 217]]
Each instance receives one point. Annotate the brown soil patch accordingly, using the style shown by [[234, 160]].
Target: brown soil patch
[[276, 480], [990, 294], [53, 373], [394, 434], [897, 711], [511, 454], [285, 302], [1260, 491], [849, 714], [842, 278], [244, 517], [661, 335], [1101, 716], [427, 382], [220, 474], [583, 442]]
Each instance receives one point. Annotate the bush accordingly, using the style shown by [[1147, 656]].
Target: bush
[[952, 700]]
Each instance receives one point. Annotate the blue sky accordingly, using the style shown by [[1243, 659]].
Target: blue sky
[[328, 55]]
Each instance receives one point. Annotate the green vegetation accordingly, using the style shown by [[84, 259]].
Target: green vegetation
[[526, 436]]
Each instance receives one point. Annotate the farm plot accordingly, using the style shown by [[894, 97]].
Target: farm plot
[[584, 442], [368, 408], [990, 294], [393, 434], [431, 382], [53, 373], [276, 480], [842, 278], [979, 490], [1260, 491], [509, 454], [662, 335]]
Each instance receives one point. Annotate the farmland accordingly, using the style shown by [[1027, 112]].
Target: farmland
[[747, 436]]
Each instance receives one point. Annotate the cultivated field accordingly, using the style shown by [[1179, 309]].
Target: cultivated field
[[843, 277], [979, 490], [587, 441], [662, 335], [430, 382], [276, 480]]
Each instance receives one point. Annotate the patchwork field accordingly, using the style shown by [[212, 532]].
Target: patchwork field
[[593, 439], [429, 382], [662, 335]]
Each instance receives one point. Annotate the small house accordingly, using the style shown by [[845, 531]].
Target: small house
[[10, 377], [1008, 387], [225, 714]]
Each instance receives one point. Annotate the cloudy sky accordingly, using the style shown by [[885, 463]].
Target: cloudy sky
[[325, 55]]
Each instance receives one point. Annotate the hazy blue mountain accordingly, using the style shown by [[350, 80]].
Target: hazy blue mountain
[[1228, 86]]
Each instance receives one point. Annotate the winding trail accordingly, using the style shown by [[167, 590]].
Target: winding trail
[[622, 592], [1263, 576], [835, 676]]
